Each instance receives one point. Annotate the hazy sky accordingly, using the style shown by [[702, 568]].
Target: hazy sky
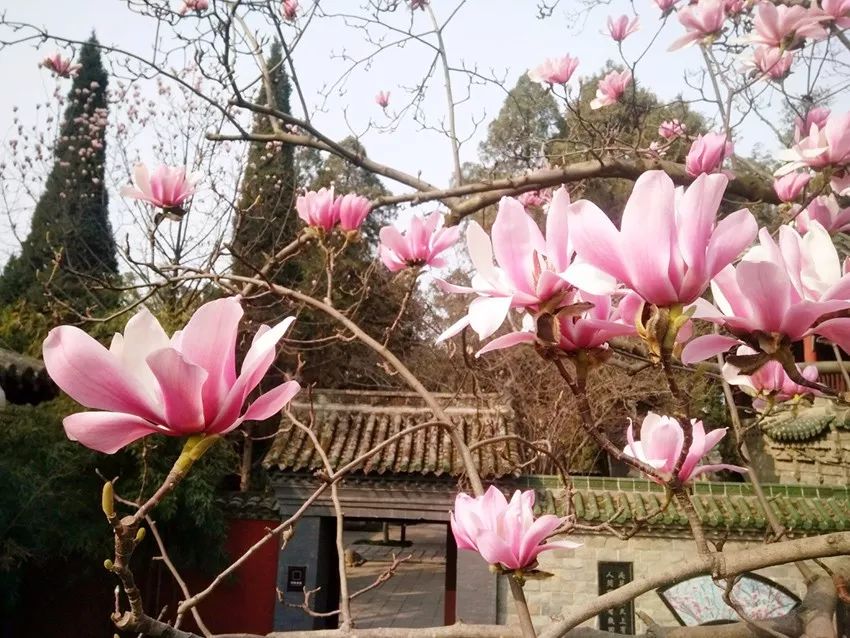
[[502, 36]]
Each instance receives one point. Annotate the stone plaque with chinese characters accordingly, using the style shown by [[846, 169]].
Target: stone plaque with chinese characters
[[619, 620]]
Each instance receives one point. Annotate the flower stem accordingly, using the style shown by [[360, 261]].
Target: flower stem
[[521, 607]]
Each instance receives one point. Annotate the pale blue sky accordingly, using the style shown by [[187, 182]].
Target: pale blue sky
[[502, 35]]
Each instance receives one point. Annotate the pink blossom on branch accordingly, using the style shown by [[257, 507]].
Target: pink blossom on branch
[[535, 199], [621, 28], [837, 11], [531, 269], [827, 212], [146, 383], [689, 246], [703, 21], [168, 187], [382, 99], [588, 331], [661, 442], [770, 383], [289, 9], [421, 245], [611, 88], [193, 5], [803, 125], [791, 186], [418, 4], [778, 294], [785, 27], [821, 146], [707, 154], [317, 209], [351, 211], [504, 533], [671, 129], [62, 67], [773, 63], [666, 6], [554, 70]]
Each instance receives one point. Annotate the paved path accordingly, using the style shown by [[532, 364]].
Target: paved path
[[411, 598]]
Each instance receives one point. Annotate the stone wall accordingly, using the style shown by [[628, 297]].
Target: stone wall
[[822, 462], [575, 581]]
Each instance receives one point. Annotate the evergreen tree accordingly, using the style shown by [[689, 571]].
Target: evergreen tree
[[70, 246], [519, 136], [267, 219]]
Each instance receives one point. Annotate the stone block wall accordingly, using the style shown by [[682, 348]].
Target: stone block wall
[[575, 581]]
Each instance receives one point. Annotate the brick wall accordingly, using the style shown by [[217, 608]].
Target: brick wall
[[575, 580]]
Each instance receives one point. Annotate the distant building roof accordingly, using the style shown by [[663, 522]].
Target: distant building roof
[[722, 507], [348, 423], [805, 423], [24, 379]]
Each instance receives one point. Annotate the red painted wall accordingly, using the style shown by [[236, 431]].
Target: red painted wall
[[244, 602]]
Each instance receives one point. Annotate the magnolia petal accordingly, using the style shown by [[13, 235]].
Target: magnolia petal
[[271, 402], [506, 341], [209, 341], [486, 314], [706, 346], [181, 386], [107, 432], [92, 376]]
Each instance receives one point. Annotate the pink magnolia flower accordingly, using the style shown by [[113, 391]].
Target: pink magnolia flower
[[773, 63], [827, 146], [351, 210], [194, 5], [420, 245], [666, 6], [826, 211], [702, 21], [382, 99], [791, 186], [531, 270], [62, 67], [661, 443], [689, 246], [317, 208], [770, 383], [554, 70], [611, 88], [785, 27], [147, 383], [504, 533], [621, 28], [837, 11], [671, 129], [590, 330], [779, 290], [707, 154], [736, 7], [418, 4], [289, 9], [167, 188], [803, 126], [535, 198]]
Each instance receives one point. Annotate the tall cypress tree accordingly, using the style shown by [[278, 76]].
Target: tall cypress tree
[[70, 245], [267, 219], [266, 222]]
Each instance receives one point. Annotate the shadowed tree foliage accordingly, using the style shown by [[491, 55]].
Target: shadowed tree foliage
[[360, 283], [267, 219], [519, 137], [70, 247]]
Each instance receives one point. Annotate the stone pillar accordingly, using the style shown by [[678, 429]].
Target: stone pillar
[[476, 590]]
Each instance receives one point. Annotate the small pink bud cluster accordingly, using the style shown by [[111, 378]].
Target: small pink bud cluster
[[322, 210]]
